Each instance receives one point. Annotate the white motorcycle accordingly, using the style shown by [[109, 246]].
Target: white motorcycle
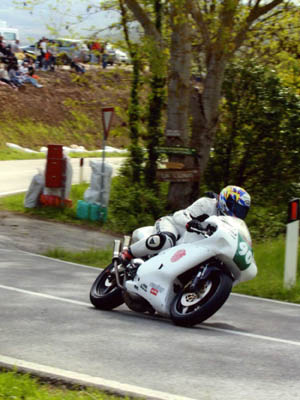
[[188, 282]]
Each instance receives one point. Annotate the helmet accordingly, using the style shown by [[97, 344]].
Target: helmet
[[234, 201]]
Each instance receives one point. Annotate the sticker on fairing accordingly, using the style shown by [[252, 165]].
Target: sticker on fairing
[[178, 255], [244, 254]]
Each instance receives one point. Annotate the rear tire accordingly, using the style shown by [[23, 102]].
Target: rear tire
[[105, 294], [192, 307]]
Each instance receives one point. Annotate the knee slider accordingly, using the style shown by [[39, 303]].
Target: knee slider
[[161, 240]]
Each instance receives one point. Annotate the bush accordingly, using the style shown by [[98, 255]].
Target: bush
[[266, 222], [133, 205]]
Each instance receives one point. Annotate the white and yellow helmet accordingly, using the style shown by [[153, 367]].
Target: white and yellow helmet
[[234, 201]]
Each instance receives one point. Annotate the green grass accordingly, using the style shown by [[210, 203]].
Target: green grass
[[14, 386], [96, 154], [15, 203], [93, 257], [12, 154]]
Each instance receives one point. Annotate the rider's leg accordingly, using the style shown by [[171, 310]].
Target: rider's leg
[[164, 238]]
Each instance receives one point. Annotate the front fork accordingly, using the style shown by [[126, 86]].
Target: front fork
[[116, 258], [203, 274]]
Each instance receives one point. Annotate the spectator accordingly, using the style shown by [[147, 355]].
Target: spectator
[[15, 48], [38, 53], [3, 50], [25, 75], [104, 60], [52, 50], [4, 78], [79, 68], [96, 51], [12, 69], [42, 47]]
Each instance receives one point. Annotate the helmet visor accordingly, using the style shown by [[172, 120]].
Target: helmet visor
[[237, 209]]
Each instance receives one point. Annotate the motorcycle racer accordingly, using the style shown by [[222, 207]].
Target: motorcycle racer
[[232, 200]]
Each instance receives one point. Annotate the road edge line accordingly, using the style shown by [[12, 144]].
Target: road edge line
[[75, 378]]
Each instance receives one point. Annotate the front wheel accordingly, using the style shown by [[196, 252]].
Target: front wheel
[[105, 294], [192, 307]]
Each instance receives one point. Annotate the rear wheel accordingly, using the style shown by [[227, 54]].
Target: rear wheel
[[191, 307], [105, 294]]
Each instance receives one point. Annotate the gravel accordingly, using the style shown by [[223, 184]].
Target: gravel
[[37, 236]]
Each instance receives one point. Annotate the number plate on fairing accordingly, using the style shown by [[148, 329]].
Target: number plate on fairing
[[244, 254]]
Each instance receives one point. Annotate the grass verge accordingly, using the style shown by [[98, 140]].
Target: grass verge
[[11, 154], [22, 386], [15, 203]]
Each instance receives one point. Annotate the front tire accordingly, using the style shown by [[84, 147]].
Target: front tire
[[105, 294], [192, 307]]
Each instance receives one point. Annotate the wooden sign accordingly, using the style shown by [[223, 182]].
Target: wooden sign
[[173, 133], [174, 165], [177, 175]]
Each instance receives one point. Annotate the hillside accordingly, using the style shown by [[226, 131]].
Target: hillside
[[67, 110]]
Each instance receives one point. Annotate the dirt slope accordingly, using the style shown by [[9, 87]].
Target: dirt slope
[[66, 98]]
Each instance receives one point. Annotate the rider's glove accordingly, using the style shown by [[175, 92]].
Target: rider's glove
[[194, 226]]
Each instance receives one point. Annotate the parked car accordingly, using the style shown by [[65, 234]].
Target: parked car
[[121, 57], [65, 49], [30, 49], [116, 56], [75, 49]]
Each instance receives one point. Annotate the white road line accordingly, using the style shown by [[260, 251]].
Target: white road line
[[46, 296], [96, 269], [265, 299], [84, 379], [252, 335], [211, 328]]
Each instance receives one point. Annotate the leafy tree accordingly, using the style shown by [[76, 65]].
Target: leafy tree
[[156, 101], [134, 167], [257, 143], [221, 27], [274, 41]]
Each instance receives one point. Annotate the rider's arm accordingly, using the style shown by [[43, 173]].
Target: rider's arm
[[200, 210]]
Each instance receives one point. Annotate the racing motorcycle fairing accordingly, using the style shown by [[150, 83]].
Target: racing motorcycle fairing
[[157, 278], [188, 282]]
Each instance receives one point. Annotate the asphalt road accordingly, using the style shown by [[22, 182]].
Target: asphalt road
[[15, 176], [249, 350]]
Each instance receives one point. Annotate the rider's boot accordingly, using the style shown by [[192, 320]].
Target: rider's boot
[[125, 257]]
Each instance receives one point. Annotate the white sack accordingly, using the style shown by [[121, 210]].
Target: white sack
[[35, 189], [93, 194]]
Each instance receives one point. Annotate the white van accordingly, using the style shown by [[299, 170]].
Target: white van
[[10, 35]]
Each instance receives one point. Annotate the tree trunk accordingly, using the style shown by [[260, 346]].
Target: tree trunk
[[156, 103], [204, 110], [177, 132]]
